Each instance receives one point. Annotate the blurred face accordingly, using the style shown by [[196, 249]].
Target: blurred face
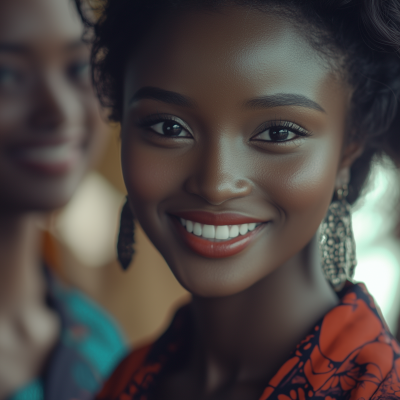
[[50, 124], [231, 142]]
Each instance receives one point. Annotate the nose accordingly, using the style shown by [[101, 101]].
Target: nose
[[219, 174], [54, 104]]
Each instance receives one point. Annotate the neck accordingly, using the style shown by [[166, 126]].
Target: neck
[[248, 336], [21, 280]]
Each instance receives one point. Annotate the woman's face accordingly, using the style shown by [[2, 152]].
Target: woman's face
[[234, 127], [50, 125]]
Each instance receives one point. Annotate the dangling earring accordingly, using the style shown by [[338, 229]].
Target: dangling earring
[[337, 243], [126, 236]]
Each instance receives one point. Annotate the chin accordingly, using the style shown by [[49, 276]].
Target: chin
[[213, 280], [41, 197]]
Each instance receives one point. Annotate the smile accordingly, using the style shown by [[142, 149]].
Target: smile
[[217, 241], [48, 159], [219, 232]]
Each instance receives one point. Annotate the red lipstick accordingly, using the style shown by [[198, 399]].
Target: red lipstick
[[212, 248]]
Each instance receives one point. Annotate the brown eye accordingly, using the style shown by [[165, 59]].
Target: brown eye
[[170, 129], [276, 134]]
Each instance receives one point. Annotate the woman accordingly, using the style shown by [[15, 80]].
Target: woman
[[247, 125], [54, 343]]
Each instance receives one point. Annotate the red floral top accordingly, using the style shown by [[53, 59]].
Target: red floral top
[[349, 354]]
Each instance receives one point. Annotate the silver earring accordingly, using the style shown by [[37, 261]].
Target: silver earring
[[337, 245], [126, 236]]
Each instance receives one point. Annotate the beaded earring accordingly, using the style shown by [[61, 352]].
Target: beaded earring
[[337, 245], [126, 236]]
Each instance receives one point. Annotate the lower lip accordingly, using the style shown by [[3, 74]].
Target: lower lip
[[210, 249], [49, 168]]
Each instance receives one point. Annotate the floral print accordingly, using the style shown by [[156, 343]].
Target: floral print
[[349, 354]]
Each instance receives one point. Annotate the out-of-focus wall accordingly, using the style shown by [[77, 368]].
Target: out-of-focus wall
[[143, 298]]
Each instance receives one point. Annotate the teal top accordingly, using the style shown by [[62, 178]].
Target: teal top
[[89, 347]]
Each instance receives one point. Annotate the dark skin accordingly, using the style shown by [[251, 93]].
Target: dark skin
[[250, 309], [50, 132]]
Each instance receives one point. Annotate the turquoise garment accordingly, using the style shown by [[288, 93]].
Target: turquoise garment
[[89, 348]]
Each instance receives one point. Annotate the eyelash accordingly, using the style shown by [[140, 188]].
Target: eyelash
[[157, 118], [295, 128]]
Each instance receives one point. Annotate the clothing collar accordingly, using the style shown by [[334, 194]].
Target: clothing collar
[[349, 353]]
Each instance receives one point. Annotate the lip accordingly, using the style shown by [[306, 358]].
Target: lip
[[213, 249], [52, 157], [205, 217]]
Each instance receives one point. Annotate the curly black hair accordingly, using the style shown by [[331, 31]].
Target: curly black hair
[[361, 37]]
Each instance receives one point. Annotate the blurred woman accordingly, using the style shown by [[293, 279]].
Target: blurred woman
[[54, 343]]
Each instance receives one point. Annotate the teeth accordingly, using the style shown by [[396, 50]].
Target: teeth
[[252, 226], [48, 154], [234, 231], [208, 231], [220, 232], [189, 226], [243, 229], [197, 229]]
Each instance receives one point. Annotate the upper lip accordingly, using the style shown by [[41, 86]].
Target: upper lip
[[45, 142], [208, 218]]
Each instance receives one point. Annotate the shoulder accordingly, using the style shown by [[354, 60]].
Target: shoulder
[[123, 374], [89, 329]]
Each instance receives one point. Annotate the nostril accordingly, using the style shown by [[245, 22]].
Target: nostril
[[217, 191]]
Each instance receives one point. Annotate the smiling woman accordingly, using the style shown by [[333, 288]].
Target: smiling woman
[[54, 342], [247, 126]]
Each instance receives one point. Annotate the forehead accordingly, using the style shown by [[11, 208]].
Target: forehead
[[38, 21], [236, 47]]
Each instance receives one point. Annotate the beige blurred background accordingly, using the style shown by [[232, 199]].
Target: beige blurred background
[[82, 251]]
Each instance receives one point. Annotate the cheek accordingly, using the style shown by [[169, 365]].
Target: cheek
[[303, 183], [12, 115], [150, 174]]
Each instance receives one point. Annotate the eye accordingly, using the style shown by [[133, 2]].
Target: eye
[[169, 128], [280, 131], [79, 71], [276, 134]]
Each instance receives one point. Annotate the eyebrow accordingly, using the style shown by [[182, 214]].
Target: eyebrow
[[276, 100], [165, 96], [282, 99]]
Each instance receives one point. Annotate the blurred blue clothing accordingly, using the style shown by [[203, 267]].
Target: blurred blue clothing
[[89, 347]]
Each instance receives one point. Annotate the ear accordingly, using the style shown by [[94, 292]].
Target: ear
[[350, 154]]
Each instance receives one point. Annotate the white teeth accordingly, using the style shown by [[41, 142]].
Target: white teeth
[[48, 154], [234, 231], [208, 231], [222, 232], [243, 229], [197, 229], [189, 226]]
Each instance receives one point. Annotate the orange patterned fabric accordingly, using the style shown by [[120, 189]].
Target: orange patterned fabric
[[349, 354]]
